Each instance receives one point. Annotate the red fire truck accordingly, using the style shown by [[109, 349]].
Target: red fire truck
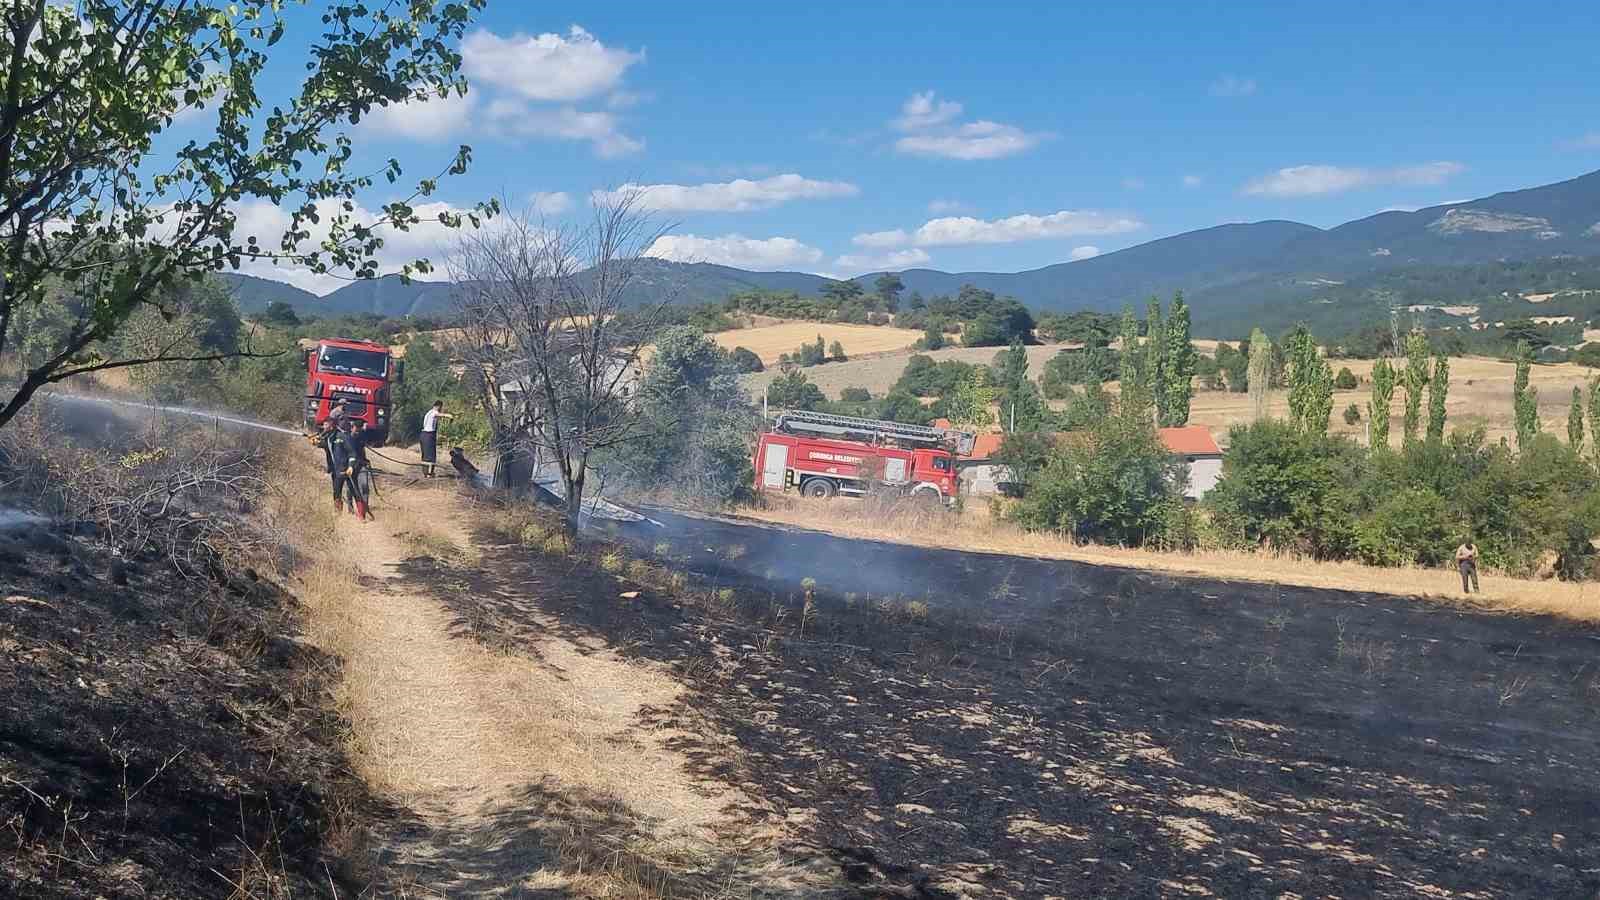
[[822, 455], [361, 373]]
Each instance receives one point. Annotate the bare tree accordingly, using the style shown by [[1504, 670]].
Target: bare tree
[[557, 322]]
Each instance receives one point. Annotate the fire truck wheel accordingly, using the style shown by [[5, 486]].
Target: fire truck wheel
[[819, 487]]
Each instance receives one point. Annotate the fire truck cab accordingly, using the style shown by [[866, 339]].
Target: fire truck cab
[[822, 455], [361, 373]]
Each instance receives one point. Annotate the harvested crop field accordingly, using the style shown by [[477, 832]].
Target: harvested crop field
[[769, 341], [879, 373], [938, 723]]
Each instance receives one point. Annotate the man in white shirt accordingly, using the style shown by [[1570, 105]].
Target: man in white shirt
[[430, 436]]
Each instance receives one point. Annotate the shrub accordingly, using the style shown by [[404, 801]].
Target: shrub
[[1352, 414], [836, 352], [855, 395], [1116, 484], [1411, 526], [744, 360], [1289, 489], [1346, 380]]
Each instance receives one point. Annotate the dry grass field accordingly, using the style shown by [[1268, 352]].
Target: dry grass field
[[878, 373], [1480, 389], [976, 529], [1480, 395], [769, 341]]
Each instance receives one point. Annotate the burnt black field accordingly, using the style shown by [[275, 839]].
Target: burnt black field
[[943, 723]]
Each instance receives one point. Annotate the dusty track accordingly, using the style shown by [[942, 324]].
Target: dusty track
[[524, 768]]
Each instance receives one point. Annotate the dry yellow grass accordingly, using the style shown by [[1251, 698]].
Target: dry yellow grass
[[976, 529], [878, 373], [768, 341], [1480, 396], [458, 731]]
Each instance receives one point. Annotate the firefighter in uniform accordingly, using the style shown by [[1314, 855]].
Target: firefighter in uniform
[[356, 468]]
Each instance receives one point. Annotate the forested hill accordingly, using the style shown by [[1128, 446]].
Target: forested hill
[[1230, 272]]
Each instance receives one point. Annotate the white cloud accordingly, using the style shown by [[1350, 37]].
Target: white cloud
[[1233, 86], [974, 140], [1190, 181], [739, 195], [515, 118], [1305, 181], [267, 222], [931, 130], [735, 250], [921, 112], [868, 262], [432, 119], [1087, 251], [1133, 184], [565, 68], [957, 230], [895, 238], [550, 203]]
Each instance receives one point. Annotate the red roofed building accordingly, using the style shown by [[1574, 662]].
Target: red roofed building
[[1192, 442]]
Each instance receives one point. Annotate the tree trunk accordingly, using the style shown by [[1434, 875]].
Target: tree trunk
[[574, 509]]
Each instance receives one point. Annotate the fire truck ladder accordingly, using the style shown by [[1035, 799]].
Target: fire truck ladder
[[872, 430]]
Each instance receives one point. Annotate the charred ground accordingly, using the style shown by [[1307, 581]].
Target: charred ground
[[1034, 728]]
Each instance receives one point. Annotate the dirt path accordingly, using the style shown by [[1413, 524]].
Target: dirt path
[[512, 761]]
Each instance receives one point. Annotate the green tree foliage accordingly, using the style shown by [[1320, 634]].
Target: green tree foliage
[[1346, 379], [984, 331], [969, 400], [1594, 418], [791, 390], [101, 199], [1575, 421], [1310, 384], [900, 406], [1154, 360], [1525, 399], [855, 395], [1260, 373], [281, 314], [1288, 489], [1412, 526], [1115, 483], [1414, 379], [836, 352], [933, 335], [1073, 367], [922, 377], [1021, 407], [1179, 365], [1234, 365], [1588, 355], [1352, 414], [745, 360], [1438, 392], [1383, 381], [697, 422], [1087, 408], [1091, 329], [1134, 393], [887, 287]]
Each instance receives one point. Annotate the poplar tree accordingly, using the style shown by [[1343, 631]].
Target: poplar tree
[[1525, 399], [1594, 418], [1383, 380], [1415, 379], [1155, 362], [1575, 421], [1180, 364], [1260, 373], [1310, 384], [1135, 392], [1438, 389]]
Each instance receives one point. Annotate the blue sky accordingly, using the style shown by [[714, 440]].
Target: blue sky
[[1003, 136]]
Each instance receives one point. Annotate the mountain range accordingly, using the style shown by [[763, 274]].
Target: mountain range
[[1271, 270]]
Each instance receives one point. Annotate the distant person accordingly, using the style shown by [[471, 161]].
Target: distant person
[[356, 468], [1467, 563], [430, 436], [338, 413]]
